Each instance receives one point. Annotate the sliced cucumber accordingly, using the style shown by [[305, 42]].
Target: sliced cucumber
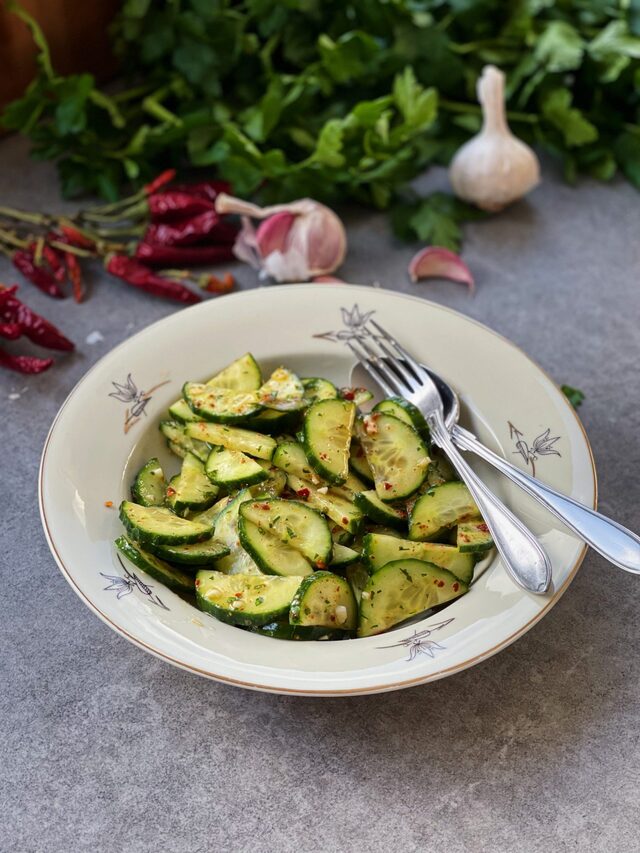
[[358, 396], [291, 458], [285, 631], [327, 438], [402, 589], [316, 388], [295, 524], [149, 486], [244, 599], [396, 454], [226, 531], [197, 554], [282, 391], [180, 443], [272, 556], [474, 537], [159, 570], [378, 549], [324, 600], [232, 469], [404, 411], [274, 485], [182, 412], [440, 470], [440, 509], [343, 556], [191, 489], [219, 404], [209, 516], [272, 422], [159, 526], [358, 462], [358, 578], [233, 438], [370, 504], [335, 507], [243, 374], [341, 536]]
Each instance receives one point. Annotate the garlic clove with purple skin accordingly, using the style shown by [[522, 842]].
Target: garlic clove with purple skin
[[494, 168], [438, 262], [295, 242]]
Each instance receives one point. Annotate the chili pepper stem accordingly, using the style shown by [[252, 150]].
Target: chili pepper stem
[[12, 239], [25, 216]]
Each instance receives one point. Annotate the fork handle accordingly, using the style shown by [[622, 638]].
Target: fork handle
[[617, 544], [523, 556]]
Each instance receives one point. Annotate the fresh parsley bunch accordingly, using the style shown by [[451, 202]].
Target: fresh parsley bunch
[[339, 100]]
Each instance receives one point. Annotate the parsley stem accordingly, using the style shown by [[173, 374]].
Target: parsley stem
[[474, 109]]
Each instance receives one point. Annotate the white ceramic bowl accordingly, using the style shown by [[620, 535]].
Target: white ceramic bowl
[[108, 427]]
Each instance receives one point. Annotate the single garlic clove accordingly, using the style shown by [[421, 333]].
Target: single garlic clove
[[438, 262], [273, 232], [494, 168]]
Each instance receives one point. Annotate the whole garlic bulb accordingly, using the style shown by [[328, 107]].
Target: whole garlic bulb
[[494, 168]]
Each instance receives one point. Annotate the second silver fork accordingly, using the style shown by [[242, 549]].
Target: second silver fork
[[397, 372]]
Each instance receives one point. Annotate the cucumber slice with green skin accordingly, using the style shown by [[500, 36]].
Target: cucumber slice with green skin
[[209, 516], [335, 507], [233, 469], [316, 389], [271, 555], [285, 631], [274, 485], [350, 488], [198, 554], [440, 470], [291, 458], [370, 504], [180, 443], [396, 454], [358, 396], [327, 438], [324, 600], [404, 411], [341, 536], [171, 577], [402, 589], [282, 391], [233, 438], [358, 462], [226, 531], [474, 537], [159, 526], [220, 405], [440, 509], [343, 556], [295, 524], [272, 422], [149, 486], [358, 578], [244, 599], [379, 549], [243, 374], [182, 412], [191, 489]]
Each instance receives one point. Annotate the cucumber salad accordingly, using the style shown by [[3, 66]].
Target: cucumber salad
[[295, 515]]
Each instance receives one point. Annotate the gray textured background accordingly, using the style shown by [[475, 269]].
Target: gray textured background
[[103, 747]]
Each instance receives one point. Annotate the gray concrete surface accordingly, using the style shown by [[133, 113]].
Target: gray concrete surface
[[104, 748]]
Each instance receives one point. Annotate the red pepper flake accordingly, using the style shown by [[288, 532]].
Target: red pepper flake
[[198, 582], [345, 520], [483, 527], [321, 565], [388, 486], [456, 586], [324, 456], [108, 504], [170, 492], [349, 394], [213, 284], [264, 506], [303, 493], [238, 594], [440, 583]]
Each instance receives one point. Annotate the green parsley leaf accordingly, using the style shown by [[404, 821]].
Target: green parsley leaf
[[573, 395]]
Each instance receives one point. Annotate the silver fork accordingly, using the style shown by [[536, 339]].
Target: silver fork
[[397, 372]]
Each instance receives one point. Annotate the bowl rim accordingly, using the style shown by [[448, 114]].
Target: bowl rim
[[411, 682]]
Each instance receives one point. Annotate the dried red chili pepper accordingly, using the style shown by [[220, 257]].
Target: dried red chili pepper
[[76, 238], [182, 256], [23, 260], [163, 206], [162, 180], [205, 189], [138, 275], [10, 331], [32, 325], [75, 276], [209, 226], [56, 264], [24, 363]]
